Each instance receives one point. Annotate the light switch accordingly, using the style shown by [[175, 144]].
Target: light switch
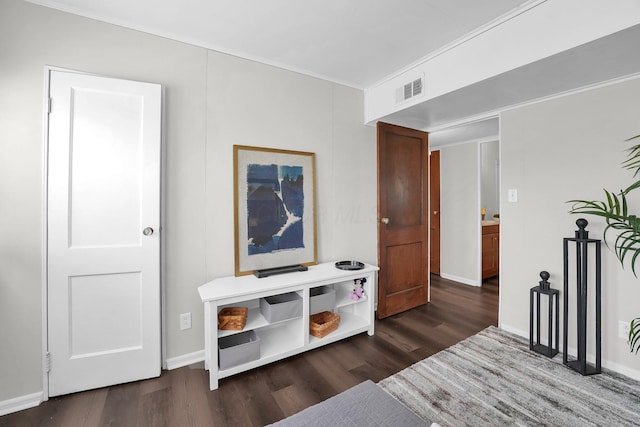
[[513, 195]]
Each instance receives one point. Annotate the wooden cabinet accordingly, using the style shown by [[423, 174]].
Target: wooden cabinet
[[285, 338], [490, 250]]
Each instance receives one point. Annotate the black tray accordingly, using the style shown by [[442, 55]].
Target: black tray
[[349, 265]]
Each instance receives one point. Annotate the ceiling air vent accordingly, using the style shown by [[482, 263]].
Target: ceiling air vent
[[408, 93], [417, 87], [409, 90]]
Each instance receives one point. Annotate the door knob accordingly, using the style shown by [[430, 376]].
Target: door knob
[[435, 212], [384, 220], [147, 231]]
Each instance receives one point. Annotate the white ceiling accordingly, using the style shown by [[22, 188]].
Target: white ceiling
[[353, 42]]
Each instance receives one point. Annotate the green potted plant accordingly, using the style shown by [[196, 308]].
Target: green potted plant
[[615, 211]]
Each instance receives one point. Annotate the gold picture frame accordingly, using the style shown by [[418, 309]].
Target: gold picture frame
[[274, 208]]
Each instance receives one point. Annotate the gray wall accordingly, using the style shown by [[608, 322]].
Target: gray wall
[[460, 213], [212, 102], [552, 152]]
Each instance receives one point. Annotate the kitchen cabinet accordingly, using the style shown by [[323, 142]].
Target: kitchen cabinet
[[490, 250]]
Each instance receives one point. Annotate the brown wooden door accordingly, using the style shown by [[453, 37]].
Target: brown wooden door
[[403, 233], [434, 211]]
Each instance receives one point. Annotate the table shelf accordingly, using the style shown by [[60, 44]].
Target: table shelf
[[282, 339]]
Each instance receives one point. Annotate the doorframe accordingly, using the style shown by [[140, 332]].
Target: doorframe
[[481, 142], [436, 149], [45, 221], [45, 230]]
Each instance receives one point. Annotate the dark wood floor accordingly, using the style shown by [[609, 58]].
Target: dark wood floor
[[181, 397]]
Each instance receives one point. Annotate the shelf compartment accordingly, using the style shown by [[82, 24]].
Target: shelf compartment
[[255, 320], [276, 343], [343, 293], [323, 323], [349, 324], [238, 349], [321, 298]]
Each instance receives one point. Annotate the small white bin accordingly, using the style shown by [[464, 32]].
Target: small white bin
[[237, 349], [281, 307], [322, 298]]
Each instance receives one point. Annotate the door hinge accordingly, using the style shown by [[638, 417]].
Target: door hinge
[[47, 362], [49, 106]]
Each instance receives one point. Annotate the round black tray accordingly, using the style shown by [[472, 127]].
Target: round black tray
[[349, 265]]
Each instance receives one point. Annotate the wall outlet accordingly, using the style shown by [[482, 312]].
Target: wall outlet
[[623, 329], [185, 321]]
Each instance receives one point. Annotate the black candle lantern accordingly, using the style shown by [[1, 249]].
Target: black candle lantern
[[544, 288], [582, 242]]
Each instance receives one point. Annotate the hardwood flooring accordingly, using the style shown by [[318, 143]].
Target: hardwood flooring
[[181, 397]]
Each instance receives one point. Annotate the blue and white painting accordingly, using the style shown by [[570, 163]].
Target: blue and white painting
[[275, 208]]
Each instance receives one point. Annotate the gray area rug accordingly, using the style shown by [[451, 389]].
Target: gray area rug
[[492, 379], [363, 405]]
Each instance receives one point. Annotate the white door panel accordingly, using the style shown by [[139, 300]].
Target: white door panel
[[103, 190], [105, 179]]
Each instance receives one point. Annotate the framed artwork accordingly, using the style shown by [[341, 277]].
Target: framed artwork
[[274, 208]]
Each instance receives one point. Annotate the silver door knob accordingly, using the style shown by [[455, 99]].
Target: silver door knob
[[384, 220], [147, 231]]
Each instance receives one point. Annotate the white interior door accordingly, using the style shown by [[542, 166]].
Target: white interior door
[[103, 221]]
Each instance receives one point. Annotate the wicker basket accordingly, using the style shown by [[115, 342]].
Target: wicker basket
[[323, 323], [232, 318]]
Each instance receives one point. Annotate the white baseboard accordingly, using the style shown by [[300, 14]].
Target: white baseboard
[[631, 373], [607, 364], [516, 331], [19, 403], [463, 280], [185, 360]]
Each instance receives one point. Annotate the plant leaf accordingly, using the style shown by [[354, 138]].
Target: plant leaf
[[634, 335]]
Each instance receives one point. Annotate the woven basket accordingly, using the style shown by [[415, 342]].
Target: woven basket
[[232, 318], [323, 323]]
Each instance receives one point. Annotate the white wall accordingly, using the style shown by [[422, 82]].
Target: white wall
[[212, 102], [552, 152], [460, 213]]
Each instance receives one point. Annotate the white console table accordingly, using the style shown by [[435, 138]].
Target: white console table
[[289, 337]]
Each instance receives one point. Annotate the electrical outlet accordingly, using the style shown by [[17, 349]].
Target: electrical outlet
[[623, 329], [185, 321]]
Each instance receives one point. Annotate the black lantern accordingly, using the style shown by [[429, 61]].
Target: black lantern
[[582, 242], [544, 288]]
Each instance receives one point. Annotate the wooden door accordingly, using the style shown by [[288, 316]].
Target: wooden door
[[103, 222], [403, 233], [434, 211]]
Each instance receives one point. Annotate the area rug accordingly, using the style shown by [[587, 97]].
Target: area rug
[[364, 405], [492, 379]]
